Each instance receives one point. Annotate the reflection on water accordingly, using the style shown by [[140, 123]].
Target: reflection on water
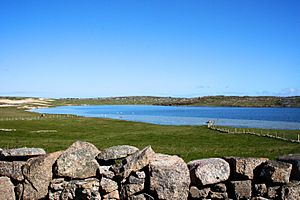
[[271, 118]]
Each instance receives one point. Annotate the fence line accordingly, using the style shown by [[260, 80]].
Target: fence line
[[37, 117], [252, 132]]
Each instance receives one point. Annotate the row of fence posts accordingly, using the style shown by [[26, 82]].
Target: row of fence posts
[[245, 131]]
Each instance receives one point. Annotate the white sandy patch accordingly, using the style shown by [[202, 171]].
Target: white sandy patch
[[22, 101], [7, 105], [28, 101]]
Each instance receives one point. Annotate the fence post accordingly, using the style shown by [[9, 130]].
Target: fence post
[[298, 138]]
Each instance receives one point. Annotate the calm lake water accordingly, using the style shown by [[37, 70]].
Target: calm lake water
[[273, 118]]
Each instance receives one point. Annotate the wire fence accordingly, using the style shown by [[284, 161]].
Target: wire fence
[[40, 117], [289, 137]]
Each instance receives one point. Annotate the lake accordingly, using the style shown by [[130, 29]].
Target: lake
[[270, 118]]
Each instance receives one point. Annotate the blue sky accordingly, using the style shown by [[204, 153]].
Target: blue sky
[[98, 48]]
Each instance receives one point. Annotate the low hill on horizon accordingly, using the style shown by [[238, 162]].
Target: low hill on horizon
[[230, 101]]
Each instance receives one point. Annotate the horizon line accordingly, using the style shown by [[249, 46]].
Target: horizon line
[[152, 96]]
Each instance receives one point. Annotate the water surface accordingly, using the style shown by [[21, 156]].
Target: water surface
[[273, 118]]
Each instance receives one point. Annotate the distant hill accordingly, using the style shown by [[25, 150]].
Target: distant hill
[[231, 101], [245, 101]]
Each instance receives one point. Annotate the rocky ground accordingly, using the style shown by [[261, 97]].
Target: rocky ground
[[124, 172]]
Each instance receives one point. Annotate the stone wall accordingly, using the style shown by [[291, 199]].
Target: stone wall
[[125, 172]]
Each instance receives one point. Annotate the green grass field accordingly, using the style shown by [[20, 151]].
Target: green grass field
[[189, 142]]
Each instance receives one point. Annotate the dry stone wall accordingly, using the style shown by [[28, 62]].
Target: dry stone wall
[[125, 172]]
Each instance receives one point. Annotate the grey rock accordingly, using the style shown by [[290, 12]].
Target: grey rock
[[169, 177], [274, 192], [293, 159], [135, 178], [116, 152], [243, 168], [78, 161], [38, 174], [106, 172], [61, 189], [196, 193], [12, 170], [138, 197], [68, 193], [276, 172], [112, 195], [89, 189], [241, 189], [56, 195], [135, 162], [108, 185], [19, 191], [291, 191], [220, 187], [133, 185], [6, 189], [20, 153], [260, 190], [208, 171], [217, 195], [131, 189], [58, 184], [75, 189], [140, 174]]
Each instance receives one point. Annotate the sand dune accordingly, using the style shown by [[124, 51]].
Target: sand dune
[[27, 101]]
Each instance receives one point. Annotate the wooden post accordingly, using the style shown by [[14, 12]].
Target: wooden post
[[298, 138]]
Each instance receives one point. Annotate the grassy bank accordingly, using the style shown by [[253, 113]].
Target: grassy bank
[[189, 142]]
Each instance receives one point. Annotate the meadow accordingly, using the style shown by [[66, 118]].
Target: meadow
[[55, 132]]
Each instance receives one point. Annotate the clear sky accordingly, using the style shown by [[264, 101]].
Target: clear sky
[[186, 48]]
